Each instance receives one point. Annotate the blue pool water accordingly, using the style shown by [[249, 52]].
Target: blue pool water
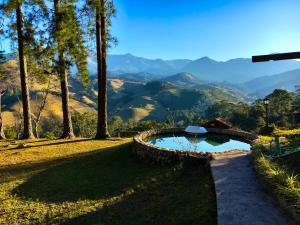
[[206, 143]]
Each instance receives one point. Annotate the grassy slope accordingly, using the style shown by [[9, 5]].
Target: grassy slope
[[98, 182], [281, 177], [129, 99]]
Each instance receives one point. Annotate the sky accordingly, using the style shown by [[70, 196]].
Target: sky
[[219, 29]]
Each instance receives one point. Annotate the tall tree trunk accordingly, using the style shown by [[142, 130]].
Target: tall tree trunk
[[2, 135], [102, 127], [63, 73], [27, 133], [67, 120]]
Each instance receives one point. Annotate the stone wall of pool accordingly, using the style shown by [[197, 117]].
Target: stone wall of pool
[[154, 154]]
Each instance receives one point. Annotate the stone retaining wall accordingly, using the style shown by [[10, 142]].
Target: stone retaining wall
[[155, 154]]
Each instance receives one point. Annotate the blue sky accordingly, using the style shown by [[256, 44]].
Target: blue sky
[[220, 29]]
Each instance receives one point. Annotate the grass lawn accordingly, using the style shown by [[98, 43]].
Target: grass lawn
[[98, 182]]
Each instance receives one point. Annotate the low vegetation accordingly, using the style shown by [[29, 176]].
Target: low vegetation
[[98, 182], [281, 176]]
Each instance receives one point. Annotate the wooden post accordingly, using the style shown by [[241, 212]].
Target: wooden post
[[275, 57]]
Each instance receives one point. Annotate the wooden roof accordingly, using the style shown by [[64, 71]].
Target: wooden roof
[[217, 123]]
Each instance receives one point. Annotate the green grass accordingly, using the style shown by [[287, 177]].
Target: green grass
[[281, 178], [98, 182], [287, 133]]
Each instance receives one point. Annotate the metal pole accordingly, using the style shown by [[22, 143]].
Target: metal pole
[[267, 115]]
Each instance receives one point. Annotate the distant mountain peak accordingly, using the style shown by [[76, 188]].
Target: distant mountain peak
[[235, 71], [184, 79]]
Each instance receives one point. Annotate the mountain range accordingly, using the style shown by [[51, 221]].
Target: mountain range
[[255, 80], [235, 71], [263, 86]]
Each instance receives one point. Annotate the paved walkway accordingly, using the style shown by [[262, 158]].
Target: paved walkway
[[240, 198]]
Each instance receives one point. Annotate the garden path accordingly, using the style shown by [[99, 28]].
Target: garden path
[[240, 196]]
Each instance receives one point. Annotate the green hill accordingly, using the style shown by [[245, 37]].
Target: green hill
[[130, 99]]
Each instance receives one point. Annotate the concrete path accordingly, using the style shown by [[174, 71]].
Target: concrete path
[[240, 198]]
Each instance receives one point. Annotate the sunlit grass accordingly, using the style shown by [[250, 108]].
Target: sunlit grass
[[287, 133], [98, 182], [282, 181]]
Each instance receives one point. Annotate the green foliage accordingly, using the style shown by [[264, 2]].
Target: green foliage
[[116, 124], [2, 59], [68, 35], [89, 21], [241, 115], [51, 129], [84, 124], [283, 184], [252, 116], [281, 106], [11, 133], [35, 16], [287, 133]]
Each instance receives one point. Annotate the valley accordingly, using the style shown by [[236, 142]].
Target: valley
[[153, 95]]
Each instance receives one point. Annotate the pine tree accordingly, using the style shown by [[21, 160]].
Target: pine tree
[[68, 37], [16, 6], [102, 24]]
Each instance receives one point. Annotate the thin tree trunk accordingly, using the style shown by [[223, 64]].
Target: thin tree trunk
[[63, 73], [27, 132], [67, 120], [41, 109], [102, 127], [2, 135]]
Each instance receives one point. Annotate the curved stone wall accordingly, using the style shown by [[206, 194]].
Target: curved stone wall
[[154, 154]]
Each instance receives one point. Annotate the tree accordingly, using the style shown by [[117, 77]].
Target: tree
[[101, 43], [281, 105], [2, 91], [99, 13], [2, 135], [84, 124], [70, 48], [27, 130], [42, 105], [25, 29]]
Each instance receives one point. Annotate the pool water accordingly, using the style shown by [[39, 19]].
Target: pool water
[[205, 143]]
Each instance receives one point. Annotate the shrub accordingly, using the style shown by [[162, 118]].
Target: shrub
[[51, 128], [11, 133], [84, 124]]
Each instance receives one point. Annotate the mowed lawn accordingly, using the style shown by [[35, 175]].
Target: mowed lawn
[[98, 182]]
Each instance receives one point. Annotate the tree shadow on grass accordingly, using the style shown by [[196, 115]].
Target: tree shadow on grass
[[97, 175], [183, 196], [168, 195]]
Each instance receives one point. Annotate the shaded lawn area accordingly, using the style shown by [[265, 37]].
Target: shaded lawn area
[[99, 182]]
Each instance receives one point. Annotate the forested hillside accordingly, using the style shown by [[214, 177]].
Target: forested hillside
[[128, 98]]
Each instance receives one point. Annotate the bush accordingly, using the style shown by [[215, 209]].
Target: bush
[[84, 124], [287, 133], [51, 129], [11, 133]]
